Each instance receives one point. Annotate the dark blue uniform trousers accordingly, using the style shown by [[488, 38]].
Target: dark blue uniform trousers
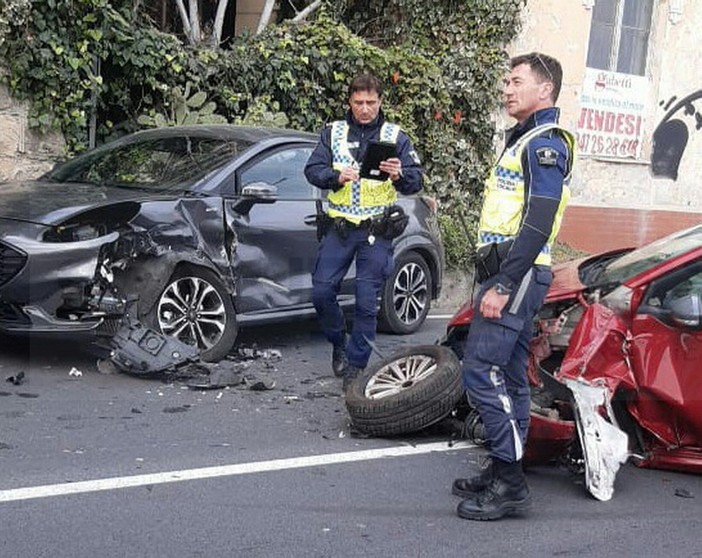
[[495, 365], [373, 266]]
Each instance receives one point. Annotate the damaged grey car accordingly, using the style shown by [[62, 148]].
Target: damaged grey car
[[194, 231]]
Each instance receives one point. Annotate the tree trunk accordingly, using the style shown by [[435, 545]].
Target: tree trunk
[[219, 22], [307, 11], [195, 21], [186, 21], [265, 15]]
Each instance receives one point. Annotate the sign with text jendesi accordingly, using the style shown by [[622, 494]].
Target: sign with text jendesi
[[612, 107]]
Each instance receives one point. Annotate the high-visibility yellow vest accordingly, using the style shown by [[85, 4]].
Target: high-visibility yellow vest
[[364, 198], [504, 195]]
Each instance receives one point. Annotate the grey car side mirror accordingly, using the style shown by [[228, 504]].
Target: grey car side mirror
[[686, 311], [262, 191], [256, 192]]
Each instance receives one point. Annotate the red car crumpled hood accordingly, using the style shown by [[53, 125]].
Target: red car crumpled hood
[[566, 281], [566, 285]]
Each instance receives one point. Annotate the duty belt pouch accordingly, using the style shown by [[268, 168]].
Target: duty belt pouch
[[342, 227], [391, 224], [489, 258], [322, 220], [397, 222]]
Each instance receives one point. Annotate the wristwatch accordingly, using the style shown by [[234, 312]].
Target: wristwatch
[[500, 289]]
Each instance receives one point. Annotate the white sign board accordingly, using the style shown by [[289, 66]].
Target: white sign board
[[612, 107]]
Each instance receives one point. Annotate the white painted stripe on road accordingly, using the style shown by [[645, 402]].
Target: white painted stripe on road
[[439, 316], [81, 487]]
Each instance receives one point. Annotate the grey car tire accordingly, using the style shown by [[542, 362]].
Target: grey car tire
[[406, 297], [406, 392], [196, 308]]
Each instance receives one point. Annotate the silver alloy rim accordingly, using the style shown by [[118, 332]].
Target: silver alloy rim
[[410, 293], [400, 375], [191, 310]]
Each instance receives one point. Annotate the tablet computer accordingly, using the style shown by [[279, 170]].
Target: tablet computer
[[377, 151]]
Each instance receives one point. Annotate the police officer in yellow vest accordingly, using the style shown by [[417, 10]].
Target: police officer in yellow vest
[[354, 204], [524, 200]]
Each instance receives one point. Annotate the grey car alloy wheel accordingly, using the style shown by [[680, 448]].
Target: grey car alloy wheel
[[406, 295], [197, 310]]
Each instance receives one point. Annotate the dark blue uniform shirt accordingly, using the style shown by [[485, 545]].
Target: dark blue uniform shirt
[[319, 170], [544, 186]]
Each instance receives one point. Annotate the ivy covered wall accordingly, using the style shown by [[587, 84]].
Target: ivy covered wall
[[93, 69]]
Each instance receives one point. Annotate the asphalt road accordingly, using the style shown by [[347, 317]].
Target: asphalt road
[[107, 465]]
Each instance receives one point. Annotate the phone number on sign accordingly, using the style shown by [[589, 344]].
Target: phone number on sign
[[593, 144]]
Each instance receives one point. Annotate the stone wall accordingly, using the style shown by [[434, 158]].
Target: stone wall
[[24, 153]]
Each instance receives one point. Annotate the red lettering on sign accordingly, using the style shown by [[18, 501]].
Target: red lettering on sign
[[610, 122]]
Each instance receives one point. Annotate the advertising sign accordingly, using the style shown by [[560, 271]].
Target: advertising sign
[[612, 107]]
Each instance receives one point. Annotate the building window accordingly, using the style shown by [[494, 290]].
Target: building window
[[619, 36]]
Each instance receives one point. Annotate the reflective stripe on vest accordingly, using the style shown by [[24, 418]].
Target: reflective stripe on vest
[[504, 199], [364, 198]]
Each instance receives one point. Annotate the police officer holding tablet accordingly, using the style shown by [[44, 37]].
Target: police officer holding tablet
[[355, 204]]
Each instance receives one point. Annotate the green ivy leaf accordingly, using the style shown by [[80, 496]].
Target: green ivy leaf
[[94, 34], [74, 63], [213, 119]]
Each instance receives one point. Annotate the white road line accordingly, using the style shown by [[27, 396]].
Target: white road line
[[28, 493], [439, 316]]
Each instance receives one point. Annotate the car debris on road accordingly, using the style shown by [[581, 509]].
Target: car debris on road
[[614, 368]]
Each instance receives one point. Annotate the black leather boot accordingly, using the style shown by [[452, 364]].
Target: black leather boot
[[350, 373], [507, 494], [339, 361], [465, 488]]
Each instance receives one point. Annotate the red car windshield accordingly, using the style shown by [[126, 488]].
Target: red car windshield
[[631, 264]]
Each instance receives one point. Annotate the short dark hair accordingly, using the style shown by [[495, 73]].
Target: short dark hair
[[544, 66], [366, 82]]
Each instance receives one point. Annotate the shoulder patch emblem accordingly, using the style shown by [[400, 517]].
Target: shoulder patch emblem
[[415, 157], [547, 156]]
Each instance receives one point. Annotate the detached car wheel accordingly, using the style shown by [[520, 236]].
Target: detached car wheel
[[406, 295], [404, 393], [197, 309]]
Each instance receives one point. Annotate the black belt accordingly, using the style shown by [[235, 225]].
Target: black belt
[[351, 225]]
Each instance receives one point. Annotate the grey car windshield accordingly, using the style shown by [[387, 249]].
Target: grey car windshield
[[637, 261], [158, 163]]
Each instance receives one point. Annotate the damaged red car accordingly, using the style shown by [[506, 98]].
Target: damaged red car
[[615, 365]]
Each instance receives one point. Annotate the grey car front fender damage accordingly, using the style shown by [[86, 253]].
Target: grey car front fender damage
[[116, 279], [68, 285], [195, 235], [167, 234]]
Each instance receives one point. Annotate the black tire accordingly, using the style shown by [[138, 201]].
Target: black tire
[[406, 297], [196, 308], [406, 392]]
